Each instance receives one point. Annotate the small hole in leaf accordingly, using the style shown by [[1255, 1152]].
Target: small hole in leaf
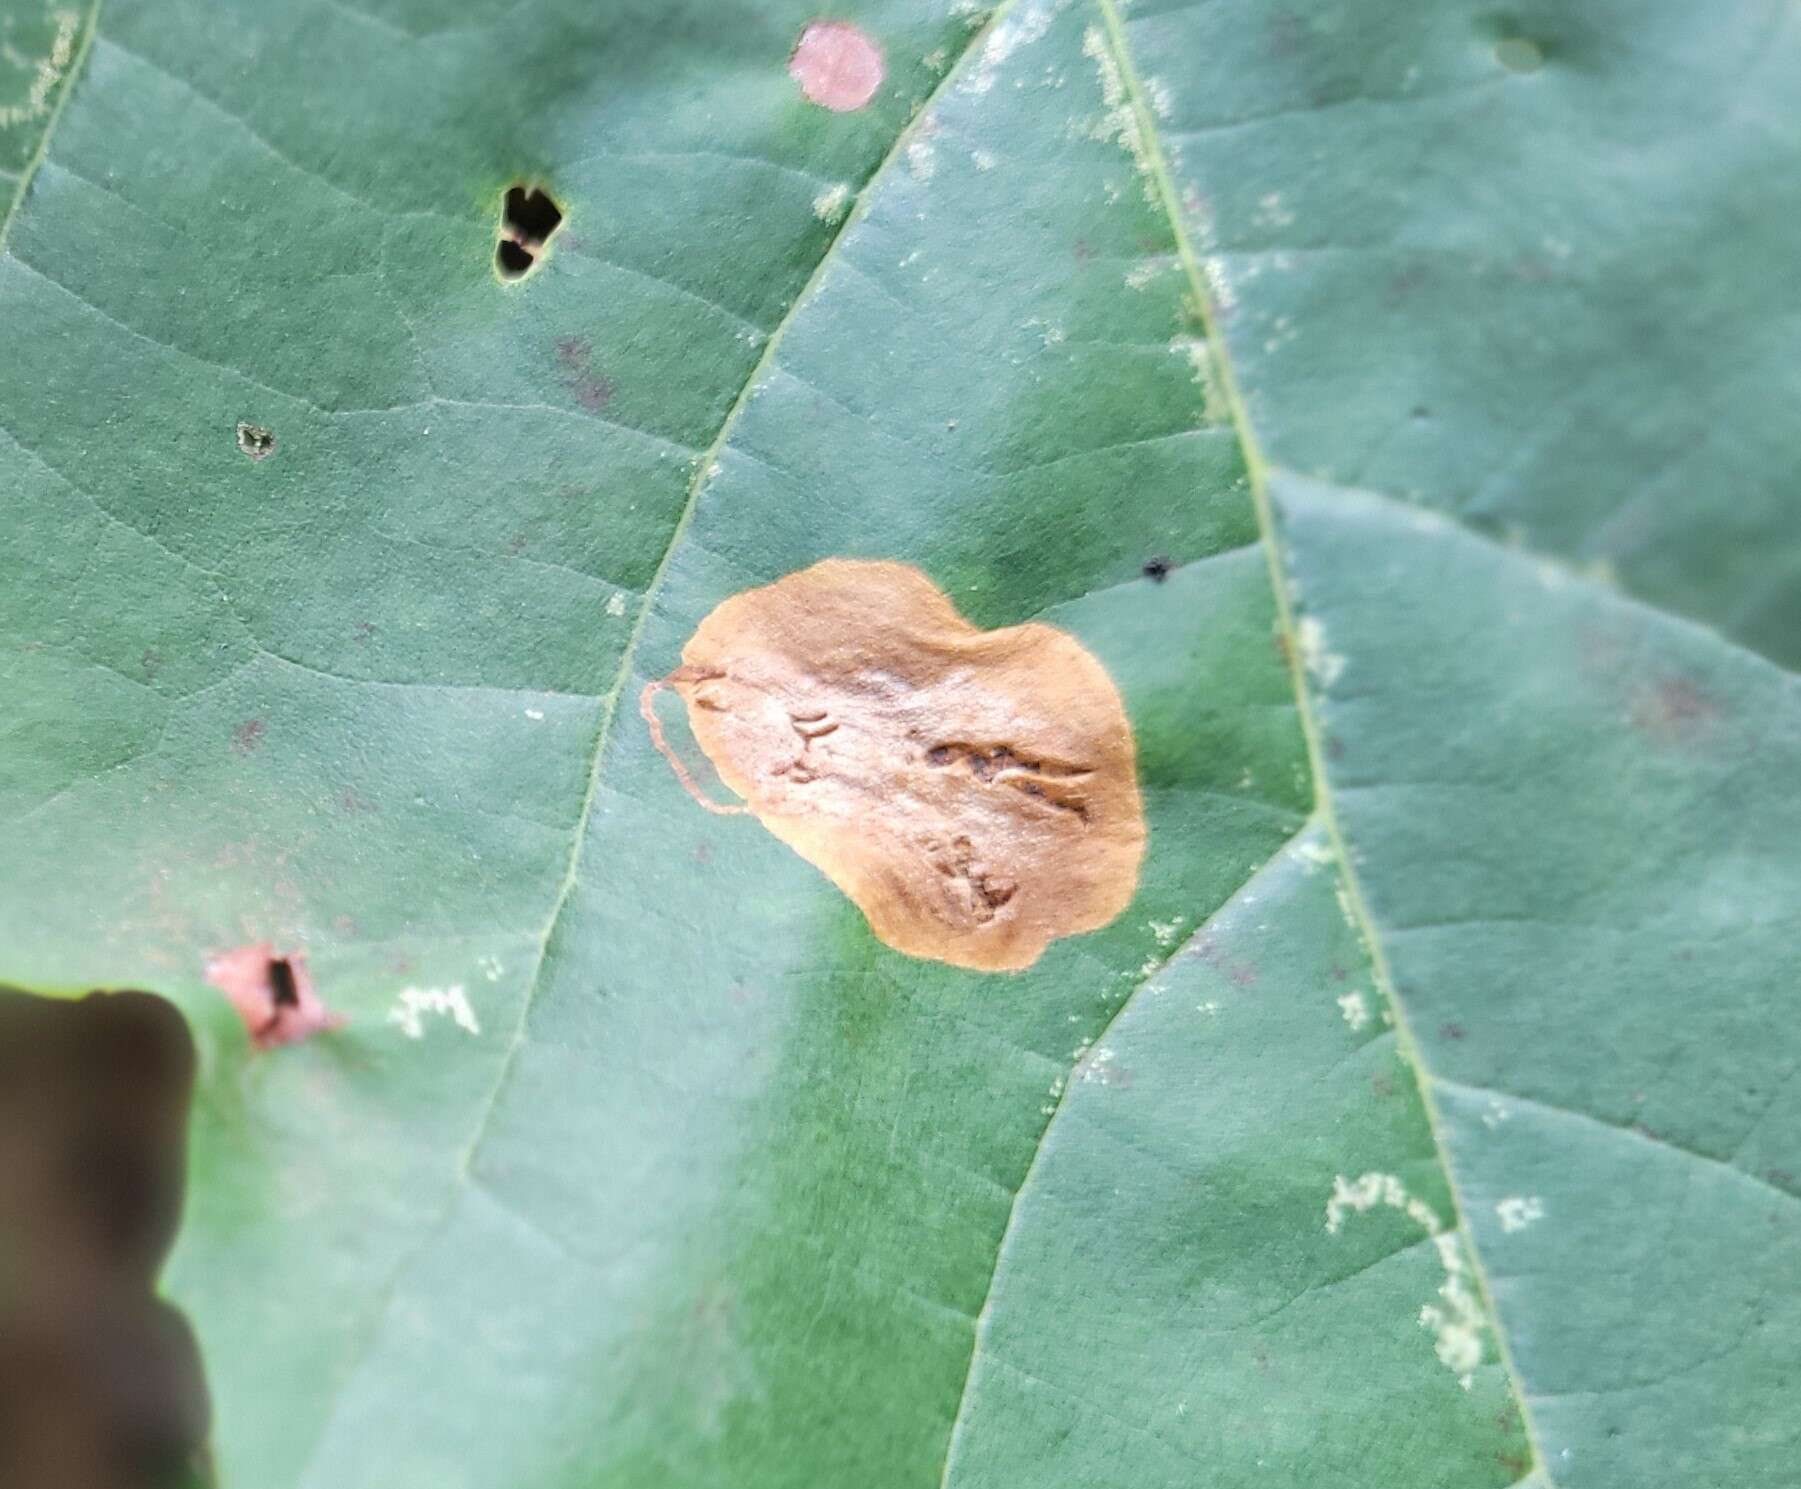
[[528, 218], [1519, 54], [282, 987], [1157, 569], [255, 441]]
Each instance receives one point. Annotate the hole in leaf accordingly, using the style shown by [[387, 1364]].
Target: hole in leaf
[[1157, 569], [281, 983], [528, 218], [255, 441], [100, 1381], [273, 994]]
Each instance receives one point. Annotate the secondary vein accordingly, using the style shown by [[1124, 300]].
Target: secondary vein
[[1258, 466], [1038, 1149]]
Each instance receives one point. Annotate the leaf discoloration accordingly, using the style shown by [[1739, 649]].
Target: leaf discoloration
[[974, 792], [837, 66]]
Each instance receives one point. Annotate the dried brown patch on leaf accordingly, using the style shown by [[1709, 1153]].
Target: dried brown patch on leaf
[[273, 993], [837, 66], [974, 792]]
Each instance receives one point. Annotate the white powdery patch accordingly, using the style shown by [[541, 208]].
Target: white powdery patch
[[1314, 856], [1456, 1319], [1140, 275], [616, 605], [829, 205], [1214, 407], [1518, 1211], [1166, 931], [1326, 666], [1118, 120], [1355, 1008], [47, 72], [448, 1002], [922, 159], [1020, 30], [1271, 213]]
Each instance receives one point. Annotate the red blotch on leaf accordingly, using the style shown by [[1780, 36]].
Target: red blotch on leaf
[[837, 66], [273, 993]]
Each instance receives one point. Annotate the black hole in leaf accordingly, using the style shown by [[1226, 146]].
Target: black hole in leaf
[[513, 259], [255, 441], [531, 214], [281, 983], [528, 217], [1157, 569]]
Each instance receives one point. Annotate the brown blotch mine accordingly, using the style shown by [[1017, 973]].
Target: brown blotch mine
[[837, 66], [273, 993], [974, 792]]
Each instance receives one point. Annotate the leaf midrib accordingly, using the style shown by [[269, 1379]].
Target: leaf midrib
[[65, 85], [1259, 468], [703, 474]]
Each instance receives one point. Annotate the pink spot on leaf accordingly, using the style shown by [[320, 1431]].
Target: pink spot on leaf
[[248, 735], [273, 994], [837, 66]]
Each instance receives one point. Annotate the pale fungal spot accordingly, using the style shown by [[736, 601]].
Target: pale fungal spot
[[982, 160], [837, 66], [1271, 213], [1140, 275], [534, 714], [616, 605], [1355, 1008], [1456, 1320], [1495, 1114], [46, 73], [922, 159], [490, 968], [829, 205], [1162, 102], [1518, 1211], [1166, 931], [1325, 666], [1519, 54], [974, 792], [414, 1003]]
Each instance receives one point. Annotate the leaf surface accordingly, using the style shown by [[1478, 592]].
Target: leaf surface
[[709, 1187]]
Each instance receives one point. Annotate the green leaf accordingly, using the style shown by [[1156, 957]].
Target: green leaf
[[1395, 402]]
